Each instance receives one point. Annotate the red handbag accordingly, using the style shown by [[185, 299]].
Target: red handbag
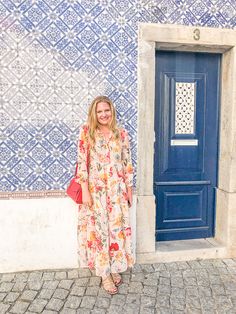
[[74, 189]]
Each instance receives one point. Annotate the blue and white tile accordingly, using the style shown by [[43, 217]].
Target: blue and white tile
[[56, 55]]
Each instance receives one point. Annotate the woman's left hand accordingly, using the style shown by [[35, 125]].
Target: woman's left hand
[[130, 195]]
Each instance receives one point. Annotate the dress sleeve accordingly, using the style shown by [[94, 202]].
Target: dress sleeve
[[126, 158], [82, 155]]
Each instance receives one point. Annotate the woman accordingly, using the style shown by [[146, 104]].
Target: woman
[[105, 173]]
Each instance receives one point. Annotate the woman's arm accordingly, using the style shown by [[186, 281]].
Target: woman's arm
[[127, 165], [82, 169]]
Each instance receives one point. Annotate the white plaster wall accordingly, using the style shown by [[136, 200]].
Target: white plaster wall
[[37, 234], [40, 234]]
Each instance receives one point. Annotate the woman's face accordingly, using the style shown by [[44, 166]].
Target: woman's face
[[104, 115]]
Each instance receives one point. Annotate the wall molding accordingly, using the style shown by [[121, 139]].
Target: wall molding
[[32, 194]]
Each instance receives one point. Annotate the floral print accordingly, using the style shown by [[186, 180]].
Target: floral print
[[104, 232]]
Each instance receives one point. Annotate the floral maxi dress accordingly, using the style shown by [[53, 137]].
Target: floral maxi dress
[[104, 232]]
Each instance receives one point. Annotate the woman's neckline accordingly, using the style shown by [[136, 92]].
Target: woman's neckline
[[107, 133]]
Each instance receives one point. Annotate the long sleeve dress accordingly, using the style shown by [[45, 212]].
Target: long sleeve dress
[[104, 232]]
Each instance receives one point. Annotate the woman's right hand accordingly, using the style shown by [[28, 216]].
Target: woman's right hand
[[87, 198], [86, 195]]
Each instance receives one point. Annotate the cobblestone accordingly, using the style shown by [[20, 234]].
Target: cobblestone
[[82, 311], [55, 304], [73, 302], [190, 281], [7, 277], [84, 272], [82, 282], [35, 285], [19, 286], [72, 274], [28, 295], [2, 295], [88, 302], [21, 277], [98, 311], [11, 297], [178, 292], [118, 299], [115, 309], [60, 294], [193, 302], [19, 307], [147, 301], [133, 298], [123, 289], [137, 268], [205, 291], [60, 275], [6, 287], [51, 284], [150, 290], [36, 276], [137, 277], [92, 291], [196, 287], [163, 301], [65, 284], [159, 267], [37, 305], [164, 289], [192, 291], [135, 287], [78, 291], [46, 294], [102, 302], [94, 281], [177, 303], [147, 268], [48, 276], [164, 281], [68, 311], [126, 278], [4, 308], [49, 312]]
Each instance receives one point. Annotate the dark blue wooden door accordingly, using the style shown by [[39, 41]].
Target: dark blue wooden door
[[186, 145]]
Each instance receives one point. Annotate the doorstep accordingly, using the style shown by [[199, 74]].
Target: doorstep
[[184, 250]]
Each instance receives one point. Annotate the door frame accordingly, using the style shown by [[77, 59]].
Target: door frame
[[192, 39]]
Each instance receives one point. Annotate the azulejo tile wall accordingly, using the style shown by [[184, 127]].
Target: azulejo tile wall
[[56, 55]]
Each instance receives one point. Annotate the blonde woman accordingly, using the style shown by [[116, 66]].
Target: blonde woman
[[104, 233]]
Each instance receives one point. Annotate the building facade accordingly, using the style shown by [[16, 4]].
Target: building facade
[[56, 56]]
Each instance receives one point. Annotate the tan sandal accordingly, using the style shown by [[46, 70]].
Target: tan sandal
[[109, 285], [117, 279]]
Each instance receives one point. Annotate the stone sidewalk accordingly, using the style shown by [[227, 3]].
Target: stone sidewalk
[[204, 286]]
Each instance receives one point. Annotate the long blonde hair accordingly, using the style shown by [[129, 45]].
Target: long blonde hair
[[92, 118]]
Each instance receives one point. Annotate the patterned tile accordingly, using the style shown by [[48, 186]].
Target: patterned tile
[[56, 55]]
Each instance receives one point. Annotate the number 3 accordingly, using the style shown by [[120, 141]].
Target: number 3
[[196, 33]]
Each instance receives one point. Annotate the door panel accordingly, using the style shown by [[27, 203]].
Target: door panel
[[185, 161]]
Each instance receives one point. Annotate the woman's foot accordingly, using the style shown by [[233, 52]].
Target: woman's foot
[[117, 279], [109, 285]]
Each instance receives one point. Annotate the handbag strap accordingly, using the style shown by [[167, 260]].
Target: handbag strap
[[76, 167]]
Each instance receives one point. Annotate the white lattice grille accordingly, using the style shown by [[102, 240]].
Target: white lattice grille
[[184, 108]]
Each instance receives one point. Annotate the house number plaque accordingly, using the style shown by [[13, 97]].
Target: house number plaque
[[196, 33]]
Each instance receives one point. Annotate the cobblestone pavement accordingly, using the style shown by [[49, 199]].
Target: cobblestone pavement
[[204, 286]]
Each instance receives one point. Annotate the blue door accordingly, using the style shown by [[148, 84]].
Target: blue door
[[186, 145]]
